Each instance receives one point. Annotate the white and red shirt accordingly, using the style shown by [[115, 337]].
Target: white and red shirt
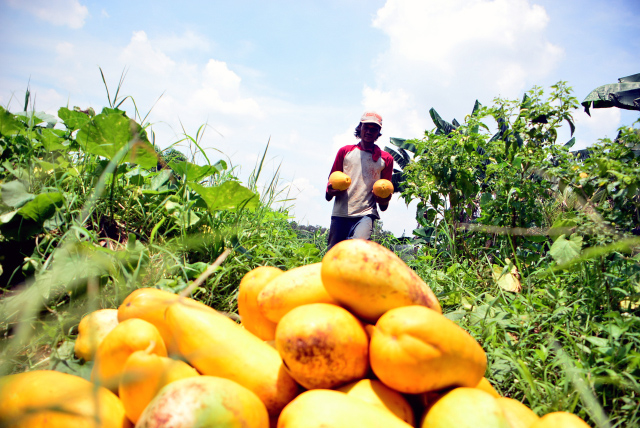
[[365, 168]]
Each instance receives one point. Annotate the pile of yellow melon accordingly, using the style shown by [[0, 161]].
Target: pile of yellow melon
[[358, 340]]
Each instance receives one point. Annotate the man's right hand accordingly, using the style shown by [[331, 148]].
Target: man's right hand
[[331, 192]]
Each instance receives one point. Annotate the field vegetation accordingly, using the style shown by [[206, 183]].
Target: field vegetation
[[530, 247]]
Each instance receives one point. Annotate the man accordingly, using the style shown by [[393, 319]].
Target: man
[[354, 210]]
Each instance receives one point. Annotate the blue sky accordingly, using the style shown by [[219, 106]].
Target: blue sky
[[300, 74]]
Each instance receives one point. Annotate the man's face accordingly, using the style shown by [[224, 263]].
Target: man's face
[[369, 133]]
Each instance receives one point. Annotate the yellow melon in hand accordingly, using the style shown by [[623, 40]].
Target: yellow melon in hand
[[382, 188], [339, 180], [92, 329]]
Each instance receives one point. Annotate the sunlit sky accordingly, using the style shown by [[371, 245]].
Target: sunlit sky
[[299, 74]]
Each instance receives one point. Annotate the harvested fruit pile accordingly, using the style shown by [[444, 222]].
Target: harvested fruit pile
[[358, 340]]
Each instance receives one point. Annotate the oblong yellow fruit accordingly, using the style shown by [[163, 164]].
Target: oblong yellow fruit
[[92, 329], [322, 345], [518, 415], [150, 305], [203, 402], [217, 346], [250, 287], [560, 419], [486, 386], [50, 399], [382, 188], [127, 337], [465, 408], [380, 395], [339, 180], [415, 349], [295, 287], [323, 408], [369, 279], [145, 374]]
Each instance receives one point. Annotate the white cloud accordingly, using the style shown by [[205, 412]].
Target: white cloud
[[59, 12], [64, 49], [186, 41], [144, 57], [341, 140], [448, 54], [603, 123], [220, 92], [304, 191]]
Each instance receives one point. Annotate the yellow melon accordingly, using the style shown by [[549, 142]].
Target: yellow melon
[[559, 419], [205, 401], [127, 337], [369, 279], [50, 399], [465, 407], [250, 287], [339, 180], [486, 386], [150, 304], [380, 395], [323, 408], [92, 329], [217, 346], [519, 415], [382, 188], [295, 287], [415, 349], [143, 375], [322, 345]]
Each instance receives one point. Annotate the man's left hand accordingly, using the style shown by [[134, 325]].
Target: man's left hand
[[383, 203]]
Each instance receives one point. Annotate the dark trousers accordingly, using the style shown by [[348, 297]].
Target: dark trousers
[[343, 228]]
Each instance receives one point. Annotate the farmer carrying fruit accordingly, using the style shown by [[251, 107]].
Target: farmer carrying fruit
[[356, 169]]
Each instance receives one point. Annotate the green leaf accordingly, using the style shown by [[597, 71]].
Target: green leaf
[[192, 172], [9, 125], [73, 119], [51, 139], [36, 118], [229, 196], [158, 182], [42, 206], [598, 341], [560, 227], [106, 135], [15, 194], [564, 250]]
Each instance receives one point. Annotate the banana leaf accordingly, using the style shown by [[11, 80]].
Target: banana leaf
[[625, 95]]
